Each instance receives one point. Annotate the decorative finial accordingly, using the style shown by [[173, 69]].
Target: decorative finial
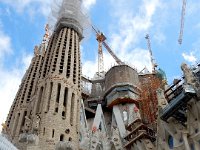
[[36, 50], [46, 35]]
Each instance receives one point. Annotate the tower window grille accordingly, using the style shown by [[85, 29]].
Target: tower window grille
[[69, 55], [57, 51], [75, 53]]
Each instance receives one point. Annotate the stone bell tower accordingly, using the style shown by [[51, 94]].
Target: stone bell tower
[[47, 112], [56, 104]]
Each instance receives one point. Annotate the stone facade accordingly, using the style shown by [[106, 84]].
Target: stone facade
[[124, 110], [46, 108], [16, 123]]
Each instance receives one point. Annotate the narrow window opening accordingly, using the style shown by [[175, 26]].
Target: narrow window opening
[[65, 97], [100, 126], [44, 131], [63, 114], [72, 109], [58, 93], [53, 132], [61, 137]]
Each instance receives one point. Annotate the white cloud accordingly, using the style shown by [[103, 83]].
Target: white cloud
[[26, 60], [139, 58], [159, 37], [131, 28], [88, 3], [89, 68], [189, 57], [10, 78], [9, 84], [127, 30], [5, 45], [40, 6]]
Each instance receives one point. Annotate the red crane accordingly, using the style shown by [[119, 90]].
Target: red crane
[[101, 39]]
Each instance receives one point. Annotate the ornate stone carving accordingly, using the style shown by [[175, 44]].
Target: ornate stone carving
[[66, 145], [36, 123], [27, 126], [162, 102]]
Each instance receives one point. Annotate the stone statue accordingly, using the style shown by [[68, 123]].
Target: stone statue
[[36, 123]]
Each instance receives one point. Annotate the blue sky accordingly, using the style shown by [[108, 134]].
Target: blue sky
[[125, 24]]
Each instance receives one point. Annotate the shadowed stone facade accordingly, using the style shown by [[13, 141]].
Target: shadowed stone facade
[[46, 108]]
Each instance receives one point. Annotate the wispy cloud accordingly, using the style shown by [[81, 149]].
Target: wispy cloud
[[131, 26], [191, 58], [10, 78], [40, 6], [36, 6], [88, 3], [159, 37], [127, 28], [5, 45], [9, 83]]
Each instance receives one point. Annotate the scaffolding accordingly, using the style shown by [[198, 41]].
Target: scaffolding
[[72, 9], [148, 102]]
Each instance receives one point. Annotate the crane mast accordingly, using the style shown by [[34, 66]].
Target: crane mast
[[153, 64], [182, 22], [101, 39]]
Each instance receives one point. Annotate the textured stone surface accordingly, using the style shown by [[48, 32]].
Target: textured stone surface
[[53, 107]]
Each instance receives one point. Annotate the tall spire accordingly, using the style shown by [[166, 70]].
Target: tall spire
[[46, 108]]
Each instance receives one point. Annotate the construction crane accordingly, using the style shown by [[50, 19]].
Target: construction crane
[[153, 64], [101, 39], [180, 39]]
